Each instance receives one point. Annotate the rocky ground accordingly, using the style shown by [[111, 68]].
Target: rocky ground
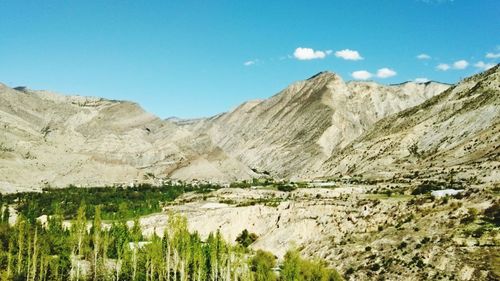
[[367, 232]]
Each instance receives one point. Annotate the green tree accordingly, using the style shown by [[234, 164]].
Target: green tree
[[5, 214], [290, 270], [136, 237], [79, 233], [245, 238], [96, 244], [262, 264], [21, 231]]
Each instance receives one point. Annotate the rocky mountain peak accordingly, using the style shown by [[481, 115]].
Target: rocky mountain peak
[[322, 75]]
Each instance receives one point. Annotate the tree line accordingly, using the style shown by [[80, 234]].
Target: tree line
[[115, 201]]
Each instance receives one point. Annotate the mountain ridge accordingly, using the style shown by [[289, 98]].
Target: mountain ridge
[[295, 134]]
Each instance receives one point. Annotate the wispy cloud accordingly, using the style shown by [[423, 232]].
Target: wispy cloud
[[421, 80], [381, 73], [250, 62], [361, 75], [483, 66], [308, 54], [443, 67], [386, 73], [423, 57], [460, 64], [492, 55], [348, 54]]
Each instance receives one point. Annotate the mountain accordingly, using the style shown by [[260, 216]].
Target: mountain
[[455, 133], [53, 140], [322, 127], [292, 133]]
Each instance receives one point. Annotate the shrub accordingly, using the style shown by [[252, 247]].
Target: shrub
[[402, 245], [413, 149], [286, 187], [246, 238], [375, 267], [470, 217], [492, 214], [5, 148], [296, 268], [262, 264], [423, 189]]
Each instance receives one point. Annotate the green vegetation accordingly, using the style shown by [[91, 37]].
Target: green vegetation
[[492, 213], [262, 264], [115, 202], [286, 187], [270, 202], [87, 248], [246, 238], [269, 184], [428, 186], [296, 268], [4, 148]]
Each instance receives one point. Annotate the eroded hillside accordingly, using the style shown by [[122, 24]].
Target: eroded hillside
[[291, 134], [455, 134], [49, 139], [321, 127]]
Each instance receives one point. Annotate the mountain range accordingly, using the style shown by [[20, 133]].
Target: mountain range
[[318, 128]]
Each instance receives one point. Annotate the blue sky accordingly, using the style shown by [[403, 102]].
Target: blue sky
[[198, 58]]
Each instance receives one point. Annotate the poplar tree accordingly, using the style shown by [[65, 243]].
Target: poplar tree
[[35, 254], [136, 236], [79, 231], [96, 241], [20, 243]]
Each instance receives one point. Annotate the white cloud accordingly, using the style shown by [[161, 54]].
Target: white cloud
[[385, 73], [493, 55], [460, 64], [421, 80], [308, 54], [348, 54], [484, 66], [442, 67], [361, 75], [423, 57], [249, 63]]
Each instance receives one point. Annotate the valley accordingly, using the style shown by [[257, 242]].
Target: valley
[[371, 181]]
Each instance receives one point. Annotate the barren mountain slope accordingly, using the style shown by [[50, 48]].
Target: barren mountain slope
[[455, 133], [293, 132], [49, 139]]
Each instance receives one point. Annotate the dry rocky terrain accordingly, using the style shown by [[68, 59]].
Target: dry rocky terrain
[[362, 230], [371, 155], [50, 139]]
